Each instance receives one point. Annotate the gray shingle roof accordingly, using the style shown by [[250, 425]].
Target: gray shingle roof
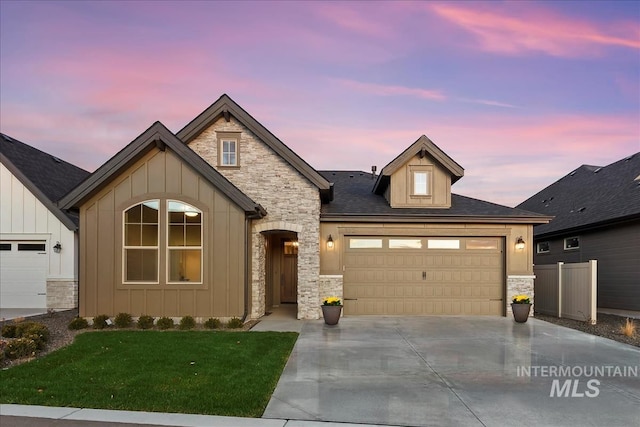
[[589, 196], [48, 177], [353, 196]]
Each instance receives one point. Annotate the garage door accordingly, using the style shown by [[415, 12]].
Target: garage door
[[423, 275], [23, 274]]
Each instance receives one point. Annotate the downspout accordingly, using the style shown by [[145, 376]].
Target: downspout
[[247, 242]]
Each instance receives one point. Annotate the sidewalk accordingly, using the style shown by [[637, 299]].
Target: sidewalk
[[42, 416]]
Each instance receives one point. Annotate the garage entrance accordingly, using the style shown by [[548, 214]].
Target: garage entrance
[[424, 275], [23, 276]]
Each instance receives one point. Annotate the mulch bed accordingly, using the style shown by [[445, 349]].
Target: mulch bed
[[608, 326]]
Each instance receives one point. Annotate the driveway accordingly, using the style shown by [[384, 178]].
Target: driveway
[[458, 371]]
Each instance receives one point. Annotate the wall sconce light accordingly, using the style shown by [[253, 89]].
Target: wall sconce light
[[519, 243], [330, 242], [57, 247]]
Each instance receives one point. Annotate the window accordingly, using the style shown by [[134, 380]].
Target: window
[[140, 257], [228, 149], [483, 244], [571, 243], [365, 243], [5, 246], [184, 243], [229, 152], [543, 248], [421, 183], [405, 243], [443, 244], [32, 247]]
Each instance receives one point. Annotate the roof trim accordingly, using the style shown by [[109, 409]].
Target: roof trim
[[434, 219], [49, 204], [225, 106], [593, 226], [423, 143], [157, 136]]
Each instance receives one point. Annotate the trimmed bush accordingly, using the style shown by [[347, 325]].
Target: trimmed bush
[[235, 323], [78, 323], [145, 322], [21, 347], [123, 320], [36, 331], [212, 323], [9, 330], [164, 323], [100, 322], [186, 323], [3, 346]]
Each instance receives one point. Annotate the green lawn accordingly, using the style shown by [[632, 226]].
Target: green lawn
[[202, 372]]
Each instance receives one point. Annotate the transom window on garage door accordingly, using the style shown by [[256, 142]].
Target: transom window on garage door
[[429, 243]]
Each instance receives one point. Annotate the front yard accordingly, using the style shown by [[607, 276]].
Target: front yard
[[200, 372]]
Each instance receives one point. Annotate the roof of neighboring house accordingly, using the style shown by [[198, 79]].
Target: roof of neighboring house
[[422, 147], [47, 177], [224, 107], [354, 198], [590, 196], [158, 136]]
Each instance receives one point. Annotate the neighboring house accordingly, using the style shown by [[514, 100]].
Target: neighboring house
[[38, 241], [222, 219], [597, 216]]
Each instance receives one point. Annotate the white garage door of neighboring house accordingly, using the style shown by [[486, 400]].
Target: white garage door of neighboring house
[[423, 275], [23, 274]]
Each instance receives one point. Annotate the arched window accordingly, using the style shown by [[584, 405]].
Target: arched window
[[184, 243], [140, 257]]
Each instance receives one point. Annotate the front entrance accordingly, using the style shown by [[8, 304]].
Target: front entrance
[[281, 268]]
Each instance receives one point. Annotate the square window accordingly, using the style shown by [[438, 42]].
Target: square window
[[571, 243], [543, 248]]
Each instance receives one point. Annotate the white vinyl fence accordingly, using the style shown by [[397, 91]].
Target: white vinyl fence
[[567, 290]]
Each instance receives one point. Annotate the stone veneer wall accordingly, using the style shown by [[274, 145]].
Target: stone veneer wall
[[290, 200], [517, 285], [62, 294], [329, 286]]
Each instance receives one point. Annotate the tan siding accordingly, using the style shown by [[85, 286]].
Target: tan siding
[[222, 292], [401, 187]]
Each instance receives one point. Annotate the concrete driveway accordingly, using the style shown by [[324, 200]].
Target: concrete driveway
[[458, 371]]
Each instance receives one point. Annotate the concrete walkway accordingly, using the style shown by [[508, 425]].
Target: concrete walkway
[[457, 371]]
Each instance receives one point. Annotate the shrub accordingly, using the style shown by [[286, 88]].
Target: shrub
[[629, 328], [187, 322], [100, 322], [21, 347], [78, 323], [3, 346], [35, 331], [234, 323], [164, 323], [212, 323], [9, 330], [145, 322], [123, 320]]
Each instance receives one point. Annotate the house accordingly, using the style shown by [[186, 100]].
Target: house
[[222, 219], [597, 216], [38, 241]]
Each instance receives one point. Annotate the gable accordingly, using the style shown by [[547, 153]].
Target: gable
[[157, 137], [226, 108], [421, 176]]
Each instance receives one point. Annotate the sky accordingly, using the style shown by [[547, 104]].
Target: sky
[[519, 93]]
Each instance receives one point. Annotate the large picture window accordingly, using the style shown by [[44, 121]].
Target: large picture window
[[141, 243], [184, 243]]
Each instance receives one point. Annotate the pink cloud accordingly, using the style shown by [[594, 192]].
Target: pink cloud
[[392, 90], [536, 29]]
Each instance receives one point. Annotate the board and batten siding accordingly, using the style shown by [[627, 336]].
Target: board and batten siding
[[23, 218], [617, 250], [161, 175]]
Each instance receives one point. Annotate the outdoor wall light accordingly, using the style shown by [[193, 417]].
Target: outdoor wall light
[[519, 243], [57, 247], [330, 242]]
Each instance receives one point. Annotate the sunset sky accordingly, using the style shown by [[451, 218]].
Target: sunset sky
[[518, 93]]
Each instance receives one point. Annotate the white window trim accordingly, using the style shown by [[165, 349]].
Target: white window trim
[[427, 184], [125, 247], [571, 249], [169, 248]]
